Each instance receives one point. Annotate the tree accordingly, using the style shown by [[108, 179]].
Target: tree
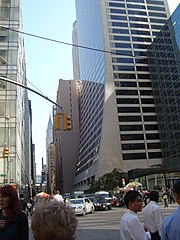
[[109, 181]]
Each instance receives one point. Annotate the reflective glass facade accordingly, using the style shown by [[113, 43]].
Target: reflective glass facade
[[119, 127], [14, 105], [164, 61]]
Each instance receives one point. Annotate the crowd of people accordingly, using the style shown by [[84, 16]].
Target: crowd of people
[[51, 219], [54, 219], [154, 227]]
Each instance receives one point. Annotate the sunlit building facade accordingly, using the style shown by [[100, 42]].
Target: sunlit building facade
[[15, 132], [118, 120]]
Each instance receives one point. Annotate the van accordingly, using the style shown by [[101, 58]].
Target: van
[[104, 194]]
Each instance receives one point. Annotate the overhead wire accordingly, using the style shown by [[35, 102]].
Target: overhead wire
[[69, 44], [83, 47]]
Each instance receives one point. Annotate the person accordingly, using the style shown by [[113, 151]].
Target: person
[[171, 196], [13, 221], [165, 197], [170, 226], [57, 197], [53, 220], [23, 203], [130, 226], [153, 216]]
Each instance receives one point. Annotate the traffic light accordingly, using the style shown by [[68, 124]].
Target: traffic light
[[5, 152], [57, 121], [67, 122]]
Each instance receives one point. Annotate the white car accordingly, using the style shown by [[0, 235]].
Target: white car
[[81, 205]]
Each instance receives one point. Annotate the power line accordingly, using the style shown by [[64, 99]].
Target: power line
[[69, 44], [21, 75], [84, 47]]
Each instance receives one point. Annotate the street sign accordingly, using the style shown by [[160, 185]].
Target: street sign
[[2, 175]]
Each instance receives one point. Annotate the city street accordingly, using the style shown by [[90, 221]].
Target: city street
[[104, 225]]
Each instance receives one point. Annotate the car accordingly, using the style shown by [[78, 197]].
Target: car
[[81, 206], [101, 203]]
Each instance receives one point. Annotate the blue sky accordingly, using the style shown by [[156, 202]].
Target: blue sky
[[47, 62]]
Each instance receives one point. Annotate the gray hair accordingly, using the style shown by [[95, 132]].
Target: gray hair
[[53, 221]]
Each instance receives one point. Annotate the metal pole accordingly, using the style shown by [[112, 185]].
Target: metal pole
[[8, 158]]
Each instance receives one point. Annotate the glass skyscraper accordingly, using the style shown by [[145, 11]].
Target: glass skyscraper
[[118, 120], [164, 61], [15, 132]]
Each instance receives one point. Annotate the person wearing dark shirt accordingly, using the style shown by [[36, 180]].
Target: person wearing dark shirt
[[13, 221]]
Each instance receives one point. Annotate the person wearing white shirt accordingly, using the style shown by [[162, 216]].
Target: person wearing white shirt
[[58, 197], [130, 226], [153, 216]]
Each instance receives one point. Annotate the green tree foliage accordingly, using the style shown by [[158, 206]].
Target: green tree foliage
[[109, 181]]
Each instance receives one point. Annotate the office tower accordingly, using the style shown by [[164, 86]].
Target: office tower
[[164, 62], [14, 106], [118, 121], [49, 157], [76, 71], [67, 142]]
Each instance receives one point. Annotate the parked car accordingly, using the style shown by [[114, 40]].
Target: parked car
[[81, 205], [101, 203]]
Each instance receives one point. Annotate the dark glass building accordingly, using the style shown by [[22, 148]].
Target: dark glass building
[[164, 62]]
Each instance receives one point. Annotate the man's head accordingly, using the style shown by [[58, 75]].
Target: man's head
[[154, 196], [133, 201], [176, 190]]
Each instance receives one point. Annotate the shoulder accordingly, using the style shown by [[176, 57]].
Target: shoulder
[[22, 216], [171, 218]]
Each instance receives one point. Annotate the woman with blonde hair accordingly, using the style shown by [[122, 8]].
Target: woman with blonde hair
[[53, 220]]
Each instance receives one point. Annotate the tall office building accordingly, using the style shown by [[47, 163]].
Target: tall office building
[[14, 107], [118, 120], [164, 62], [67, 142], [49, 157]]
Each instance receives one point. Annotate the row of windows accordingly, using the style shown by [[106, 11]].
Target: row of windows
[[137, 19], [136, 109], [127, 38], [130, 68], [136, 146], [149, 136], [134, 92], [134, 101], [130, 76], [138, 127], [155, 2], [129, 6], [141, 13], [138, 156], [129, 60], [137, 118]]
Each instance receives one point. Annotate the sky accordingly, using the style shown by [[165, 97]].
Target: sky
[[47, 61]]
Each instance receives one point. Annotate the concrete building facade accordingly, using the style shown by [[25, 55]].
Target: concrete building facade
[[118, 120], [67, 142]]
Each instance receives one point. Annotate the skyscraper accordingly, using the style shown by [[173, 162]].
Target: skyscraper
[[164, 62], [15, 132], [118, 120]]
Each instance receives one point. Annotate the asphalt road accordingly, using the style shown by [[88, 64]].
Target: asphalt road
[[104, 225]]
